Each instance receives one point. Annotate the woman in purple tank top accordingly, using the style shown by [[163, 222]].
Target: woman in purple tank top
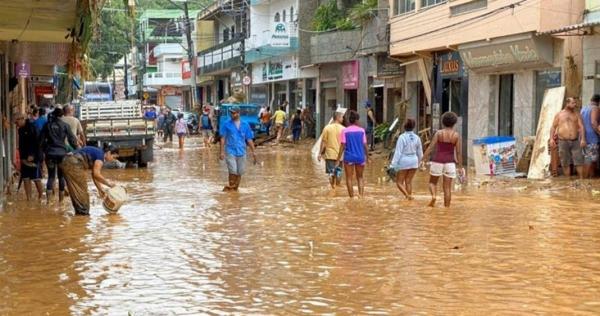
[[448, 153], [353, 147]]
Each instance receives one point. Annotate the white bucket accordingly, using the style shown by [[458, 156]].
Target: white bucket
[[114, 198]]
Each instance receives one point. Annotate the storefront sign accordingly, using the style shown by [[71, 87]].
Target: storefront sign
[[528, 51], [23, 70], [186, 70], [272, 71], [451, 65], [387, 67], [350, 75], [170, 91], [280, 35]]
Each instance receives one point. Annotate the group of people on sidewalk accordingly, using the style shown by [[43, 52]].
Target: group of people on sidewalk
[[576, 137], [54, 142]]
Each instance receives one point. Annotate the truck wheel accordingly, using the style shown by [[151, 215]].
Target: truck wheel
[[146, 154]]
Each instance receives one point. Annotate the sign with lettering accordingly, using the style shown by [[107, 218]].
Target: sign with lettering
[[496, 55], [186, 70], [280, 35], [22, 70], [451, 65], [387, 67], [350, 75]]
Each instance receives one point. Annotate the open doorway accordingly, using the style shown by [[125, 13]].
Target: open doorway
[[351, 99]]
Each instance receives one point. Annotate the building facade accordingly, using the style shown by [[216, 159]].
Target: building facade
[[489, 61]]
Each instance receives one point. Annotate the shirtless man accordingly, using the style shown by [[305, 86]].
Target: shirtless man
[[568, 128]]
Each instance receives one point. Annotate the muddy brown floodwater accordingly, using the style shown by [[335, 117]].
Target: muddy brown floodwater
[[284, 245]]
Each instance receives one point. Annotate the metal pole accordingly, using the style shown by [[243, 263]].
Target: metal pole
[[188, 33], [114, 88], [125, 81]]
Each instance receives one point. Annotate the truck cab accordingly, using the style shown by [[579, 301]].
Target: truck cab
[[248, 113]]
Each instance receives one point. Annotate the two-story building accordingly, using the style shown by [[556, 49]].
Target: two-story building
[[167, 80], [488, 61], [353, 64], [273, 51], [164, 54], [220, 39]]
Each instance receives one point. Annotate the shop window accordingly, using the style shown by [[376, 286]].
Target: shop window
[[505, 105], [426, 3], [404, 6], [277, 17]]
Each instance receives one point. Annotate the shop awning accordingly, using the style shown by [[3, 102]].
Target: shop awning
[[570, 28]]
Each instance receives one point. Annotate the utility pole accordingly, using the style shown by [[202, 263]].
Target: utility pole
[[125, 81], [190, 51]]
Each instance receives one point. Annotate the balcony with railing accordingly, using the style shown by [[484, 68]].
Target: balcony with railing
[[220, 57], [157, 79]]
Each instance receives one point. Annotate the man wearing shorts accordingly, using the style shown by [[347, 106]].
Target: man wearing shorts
[[590, 114], [279, 117], [206, 126], [31, 155], [235, 136], [568, 128], [330, 148]]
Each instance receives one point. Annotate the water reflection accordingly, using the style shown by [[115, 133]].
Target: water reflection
[[286, 245]]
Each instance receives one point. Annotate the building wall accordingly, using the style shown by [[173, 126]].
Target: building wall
[[434, 28], [591, 54]]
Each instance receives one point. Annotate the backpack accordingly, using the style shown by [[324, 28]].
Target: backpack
[[206, 122]]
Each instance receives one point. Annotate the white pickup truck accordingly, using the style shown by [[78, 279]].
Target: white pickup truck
[[122, 124]]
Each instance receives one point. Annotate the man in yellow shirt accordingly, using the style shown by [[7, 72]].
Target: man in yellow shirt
[[279, 118], [330, 148]]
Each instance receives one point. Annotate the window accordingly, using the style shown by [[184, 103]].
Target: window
[[226, 35], [426, 3], [403, 6], [232, 31], [468, 7], [277, 17], [283, 15], [292, 14], [505, 105]]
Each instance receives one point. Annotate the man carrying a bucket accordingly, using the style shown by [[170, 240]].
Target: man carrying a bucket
[[74, 167]]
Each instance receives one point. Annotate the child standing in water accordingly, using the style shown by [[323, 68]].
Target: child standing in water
[[181, 129], [407, 157], [448, 152], [353, 140]]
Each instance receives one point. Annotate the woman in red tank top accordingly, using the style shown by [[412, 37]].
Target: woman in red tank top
[[448, 145]]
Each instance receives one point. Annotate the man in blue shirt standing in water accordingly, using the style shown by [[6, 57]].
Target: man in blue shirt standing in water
[[235, 135]]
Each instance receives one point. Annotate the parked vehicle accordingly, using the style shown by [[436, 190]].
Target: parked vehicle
[[122, 124], [248, 113], [97, 91]]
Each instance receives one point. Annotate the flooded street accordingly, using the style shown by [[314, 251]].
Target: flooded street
[[285, 245]]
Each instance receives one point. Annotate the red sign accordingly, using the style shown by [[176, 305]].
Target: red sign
[[186, 70], [350, 75]]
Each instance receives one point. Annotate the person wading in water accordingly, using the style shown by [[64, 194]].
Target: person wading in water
[[74, 168], [235, 136], [447, 144]]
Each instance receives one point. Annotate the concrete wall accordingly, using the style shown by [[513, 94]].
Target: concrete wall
[[433, 28], [591, 54]]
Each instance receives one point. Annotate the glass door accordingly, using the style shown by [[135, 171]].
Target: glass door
[[505, 105]]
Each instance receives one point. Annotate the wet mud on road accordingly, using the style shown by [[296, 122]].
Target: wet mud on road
[[286, 245]]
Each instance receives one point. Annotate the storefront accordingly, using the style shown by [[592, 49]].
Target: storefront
[[451, 91], [279, 80], [507, 77], [389, 84], [172, 97]]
